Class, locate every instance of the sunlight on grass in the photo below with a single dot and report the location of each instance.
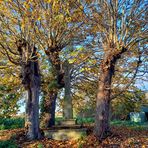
(133, 125)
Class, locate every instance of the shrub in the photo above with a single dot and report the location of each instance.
(8, 144)
(11, 123)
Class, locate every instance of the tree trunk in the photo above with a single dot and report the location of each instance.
(67, 104)
(102, 114)
(52, 109)
(32, 113)
(107, 69)
(50, 105)
(102, 128)
(31, 81)
(48, 111)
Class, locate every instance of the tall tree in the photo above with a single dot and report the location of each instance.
(60, 24)
(120, 27)
(17, 44)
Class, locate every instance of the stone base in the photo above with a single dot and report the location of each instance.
(68, 122)
(65, 130)
(65, 134)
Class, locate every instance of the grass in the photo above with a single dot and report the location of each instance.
(119, 123)
(14, 123)
(129, 124)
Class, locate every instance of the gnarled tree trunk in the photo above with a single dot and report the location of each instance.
(50, 102)
(48, 109)
(102, 129)
(32, 113)
(31, 81)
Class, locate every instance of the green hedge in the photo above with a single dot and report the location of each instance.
(11, 123)
(8, 144)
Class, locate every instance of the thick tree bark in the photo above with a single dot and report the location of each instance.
(67, 104)
(32, 113)
(102, 128)
(31, 81)
(48, 111)
(50, 104)
(52, 109)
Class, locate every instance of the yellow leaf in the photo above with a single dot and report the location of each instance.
(48, 1)
(39, 18)
(23, 26)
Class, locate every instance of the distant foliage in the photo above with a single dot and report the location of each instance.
(8, 100)
(126, 103)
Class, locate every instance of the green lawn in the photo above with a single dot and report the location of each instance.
(14, 123)
(133, 125)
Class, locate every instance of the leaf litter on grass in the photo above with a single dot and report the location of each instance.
(122, 137)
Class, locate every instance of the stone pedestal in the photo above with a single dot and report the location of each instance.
(68, 122)
(65, 134)
(65, 130)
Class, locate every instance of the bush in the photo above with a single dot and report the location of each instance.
(11, 123)
(8, 144)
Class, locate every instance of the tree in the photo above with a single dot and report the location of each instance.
(17, 44)
(8, 101)
(120, 27)
(10, 90)
(130, 101)
(55, 31)
(49, 86)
